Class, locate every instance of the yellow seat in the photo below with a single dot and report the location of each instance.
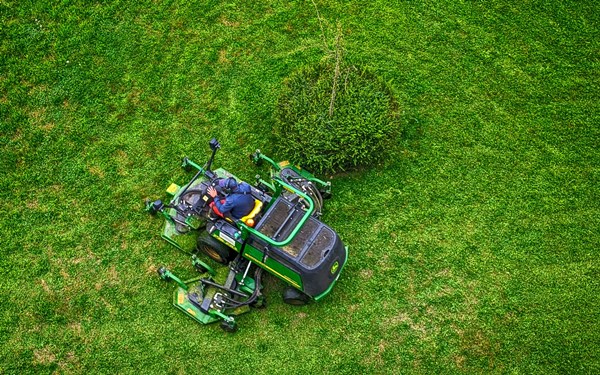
(257, 207)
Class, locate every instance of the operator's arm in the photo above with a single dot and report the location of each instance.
(223, 208)
(226, 207)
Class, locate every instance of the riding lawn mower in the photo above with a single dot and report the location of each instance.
(281, 235)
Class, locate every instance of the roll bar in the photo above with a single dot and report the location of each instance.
(280, 185)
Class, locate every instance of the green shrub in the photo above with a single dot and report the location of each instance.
(355, 132)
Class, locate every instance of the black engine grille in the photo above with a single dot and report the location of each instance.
(312, 241)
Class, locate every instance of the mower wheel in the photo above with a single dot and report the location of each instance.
(202, 267)
(260, 303)
(162, 273)
(153, 207)
(185, 164)
(230, 327)
(214, 249)
(293, 296)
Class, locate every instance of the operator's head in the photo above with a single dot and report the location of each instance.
(228, 184)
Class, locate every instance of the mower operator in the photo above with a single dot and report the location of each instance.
(238, 201)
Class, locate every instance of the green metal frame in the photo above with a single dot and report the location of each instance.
(258, 157)
(181, 294)
(280, 185)
(255, 255)
(277, 186)
(197, 287)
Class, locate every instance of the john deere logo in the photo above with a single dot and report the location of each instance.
(334, 268)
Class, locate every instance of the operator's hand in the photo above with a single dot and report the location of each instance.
(212, 192)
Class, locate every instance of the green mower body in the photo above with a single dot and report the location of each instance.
(283, 236)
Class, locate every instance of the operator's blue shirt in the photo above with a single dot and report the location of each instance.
(239, 203)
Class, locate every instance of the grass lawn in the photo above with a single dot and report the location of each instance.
(473, 247)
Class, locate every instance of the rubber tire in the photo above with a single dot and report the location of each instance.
(214, 249)
(200, 269)
(162, 273)
(229, 327)
(184, 163)
(260, 303)
(150, 207)
(293, 296)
